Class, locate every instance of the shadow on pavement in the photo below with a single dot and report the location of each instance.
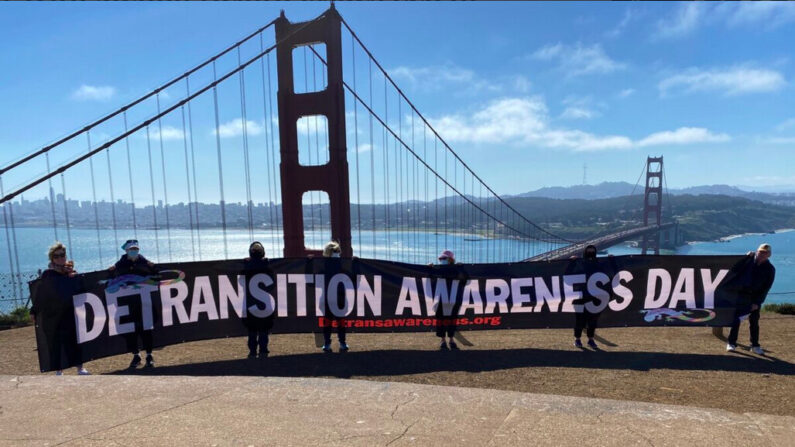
(400, 362)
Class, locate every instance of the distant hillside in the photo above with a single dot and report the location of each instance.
(608, 190)
(701, 217)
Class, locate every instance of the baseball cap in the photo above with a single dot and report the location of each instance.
(764, 247)
(447, 254)
(131, 243)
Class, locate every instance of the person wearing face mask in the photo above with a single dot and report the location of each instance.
(585, 319)
(56, 282)
(332, 250)
(132, 262)
(258, 327)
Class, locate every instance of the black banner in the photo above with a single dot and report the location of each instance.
(95, 315)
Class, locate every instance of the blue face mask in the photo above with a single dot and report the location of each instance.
(443, 261)
(335, 255)
(132, 253)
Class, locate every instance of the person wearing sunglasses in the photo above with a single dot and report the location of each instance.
(55, 317)
(132, 262)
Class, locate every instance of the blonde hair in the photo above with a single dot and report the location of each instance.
(55, 247)
(330, 248)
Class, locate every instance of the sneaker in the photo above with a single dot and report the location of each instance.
(150, 361)
(252, 354)
(263, 354)
(327, 347)
(344, 347)
(136, 360)
(83, 372)
(453, 346)
(730, 347)
(443, 346)
(577, 343)
(593, 344)
(757, 350)
(58, 373)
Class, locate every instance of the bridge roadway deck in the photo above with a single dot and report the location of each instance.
(184, 410)
(601, 243)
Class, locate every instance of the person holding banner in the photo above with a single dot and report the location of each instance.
(332, 250)
(446, 326)
(756, 275)
(134, 264)
(585, 319)
(258, 327)
(55, 317)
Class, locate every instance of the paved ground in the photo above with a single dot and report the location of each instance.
(179, 410)
(679, 366)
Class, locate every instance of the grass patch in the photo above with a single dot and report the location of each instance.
(785, 308)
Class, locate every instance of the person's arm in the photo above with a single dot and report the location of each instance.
(765, 287)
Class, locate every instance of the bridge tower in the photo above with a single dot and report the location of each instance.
(652, 203)
(332, 177)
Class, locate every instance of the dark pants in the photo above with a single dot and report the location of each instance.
(340, 333)
(146, 339)
(753, 320)
(448, 330)
(257, 338)
(585, 320)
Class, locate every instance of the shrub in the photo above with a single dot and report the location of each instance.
(784, 308)
(17, 317)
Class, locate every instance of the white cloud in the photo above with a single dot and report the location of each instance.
(93, 93)
(787, 124)
(731, 81)
(169, 133)
(685, 20)
(525, 121)
(627, 92)
(689, 16)
(770, 14)
(629, 15)
(683, 135)
(462, 80)
(235, 128)
(576, 112)
(578, 59)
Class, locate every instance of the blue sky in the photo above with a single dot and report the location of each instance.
(527, 93)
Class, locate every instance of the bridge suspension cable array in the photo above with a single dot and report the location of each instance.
(412, 195)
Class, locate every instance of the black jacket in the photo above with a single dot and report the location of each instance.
(126, 266)
(756, 279)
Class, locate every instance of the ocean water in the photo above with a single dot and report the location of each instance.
(411, 247)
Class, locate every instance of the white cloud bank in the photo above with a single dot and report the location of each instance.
(578, 59)
(93, 93)
(525, 121)
(690, 16)
(730, 81)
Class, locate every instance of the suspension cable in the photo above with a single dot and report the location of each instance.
(163, 171)
(187, 180)
(52, 198)
(220, 165)
(94, 203)
(193, 169)
(136, 102)
(152, 187)
(386, 75)
(129, 173)
(247, 170)
(10, 242)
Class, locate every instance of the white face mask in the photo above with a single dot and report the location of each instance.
(443, 262)
(335, 255)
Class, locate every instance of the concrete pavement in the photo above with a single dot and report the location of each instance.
(182, 410)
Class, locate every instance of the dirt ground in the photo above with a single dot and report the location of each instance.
(684, 366)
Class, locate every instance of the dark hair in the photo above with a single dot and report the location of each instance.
(256, 250)
(589, 252)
